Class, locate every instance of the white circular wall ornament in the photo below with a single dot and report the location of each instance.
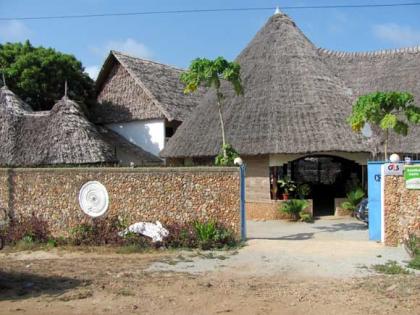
(93, 199)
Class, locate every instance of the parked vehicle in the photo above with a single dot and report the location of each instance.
(362, 212)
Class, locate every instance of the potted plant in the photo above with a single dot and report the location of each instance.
(294, 207)
(303, 190)
(287, 185)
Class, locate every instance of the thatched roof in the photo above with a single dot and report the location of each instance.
(11, 102)
(160, 87)
(387, 70)
(297, 98)
(62, 135)
(121, 144)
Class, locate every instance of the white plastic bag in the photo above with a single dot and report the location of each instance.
(155, 231)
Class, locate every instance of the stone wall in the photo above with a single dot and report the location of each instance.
(269, 210)
(141, 194)
(401, 210)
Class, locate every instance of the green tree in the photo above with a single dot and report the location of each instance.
(390, 111)
(37, 75)
(209, 73)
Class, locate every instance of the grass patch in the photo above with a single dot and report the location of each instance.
(415, 263)
(125, 292)
(391, 267)
(80, 295)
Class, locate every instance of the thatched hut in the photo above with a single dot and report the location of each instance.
(292, 118)
(141, 100)
(61, 136)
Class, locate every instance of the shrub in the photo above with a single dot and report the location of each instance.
(412, 245)
(26, 243)
(205, 235)
(33, 227)
(294, 207)
(213, 235)
(181, 235)
(354, 197)
(415, 262)
(231, 153)
(98, 232)
(391, 267)
(306, 217)
(303, 190)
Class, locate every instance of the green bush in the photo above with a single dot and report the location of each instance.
(306, 217)
(303, 190)
(415, 262)
(211, 235)
(231, 153)
(354, 197)
(391, 267)
(294, 207)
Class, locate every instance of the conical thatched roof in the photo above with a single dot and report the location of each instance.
(60, 136)
(11, 102)
(159, 87)
(294, 101)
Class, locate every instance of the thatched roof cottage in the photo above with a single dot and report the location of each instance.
(60, 136)
(292, 117)
(141, 100)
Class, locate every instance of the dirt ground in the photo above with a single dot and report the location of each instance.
(68, 282)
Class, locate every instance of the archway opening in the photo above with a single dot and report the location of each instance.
(329, 178)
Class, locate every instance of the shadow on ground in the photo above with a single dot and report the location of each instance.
(314, 230)
(345, 227)
(292, 237)
(21, 285)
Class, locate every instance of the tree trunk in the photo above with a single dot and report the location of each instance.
(222, 124)
(386, 145)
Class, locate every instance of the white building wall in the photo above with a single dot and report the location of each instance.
(149, 135)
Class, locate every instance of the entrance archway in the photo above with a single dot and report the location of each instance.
(329, 177)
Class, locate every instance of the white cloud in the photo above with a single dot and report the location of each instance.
(129, 46)
(92, 71)
(11, 31)
(397, 34)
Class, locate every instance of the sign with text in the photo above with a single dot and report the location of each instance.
(393, 169)
(412, 176)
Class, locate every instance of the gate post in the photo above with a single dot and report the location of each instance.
(242, 207)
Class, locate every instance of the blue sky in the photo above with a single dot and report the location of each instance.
(177, 39)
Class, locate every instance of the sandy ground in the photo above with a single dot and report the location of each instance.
(318, 275)
(329, 248)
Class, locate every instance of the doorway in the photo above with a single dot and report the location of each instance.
(329, 177)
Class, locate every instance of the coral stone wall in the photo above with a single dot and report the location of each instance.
(269, 210)
(401, 210)
(171, 195)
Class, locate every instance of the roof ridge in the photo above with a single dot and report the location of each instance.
(146, 60)
(382, 52)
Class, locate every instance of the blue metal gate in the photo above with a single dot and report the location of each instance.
(374, 196)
